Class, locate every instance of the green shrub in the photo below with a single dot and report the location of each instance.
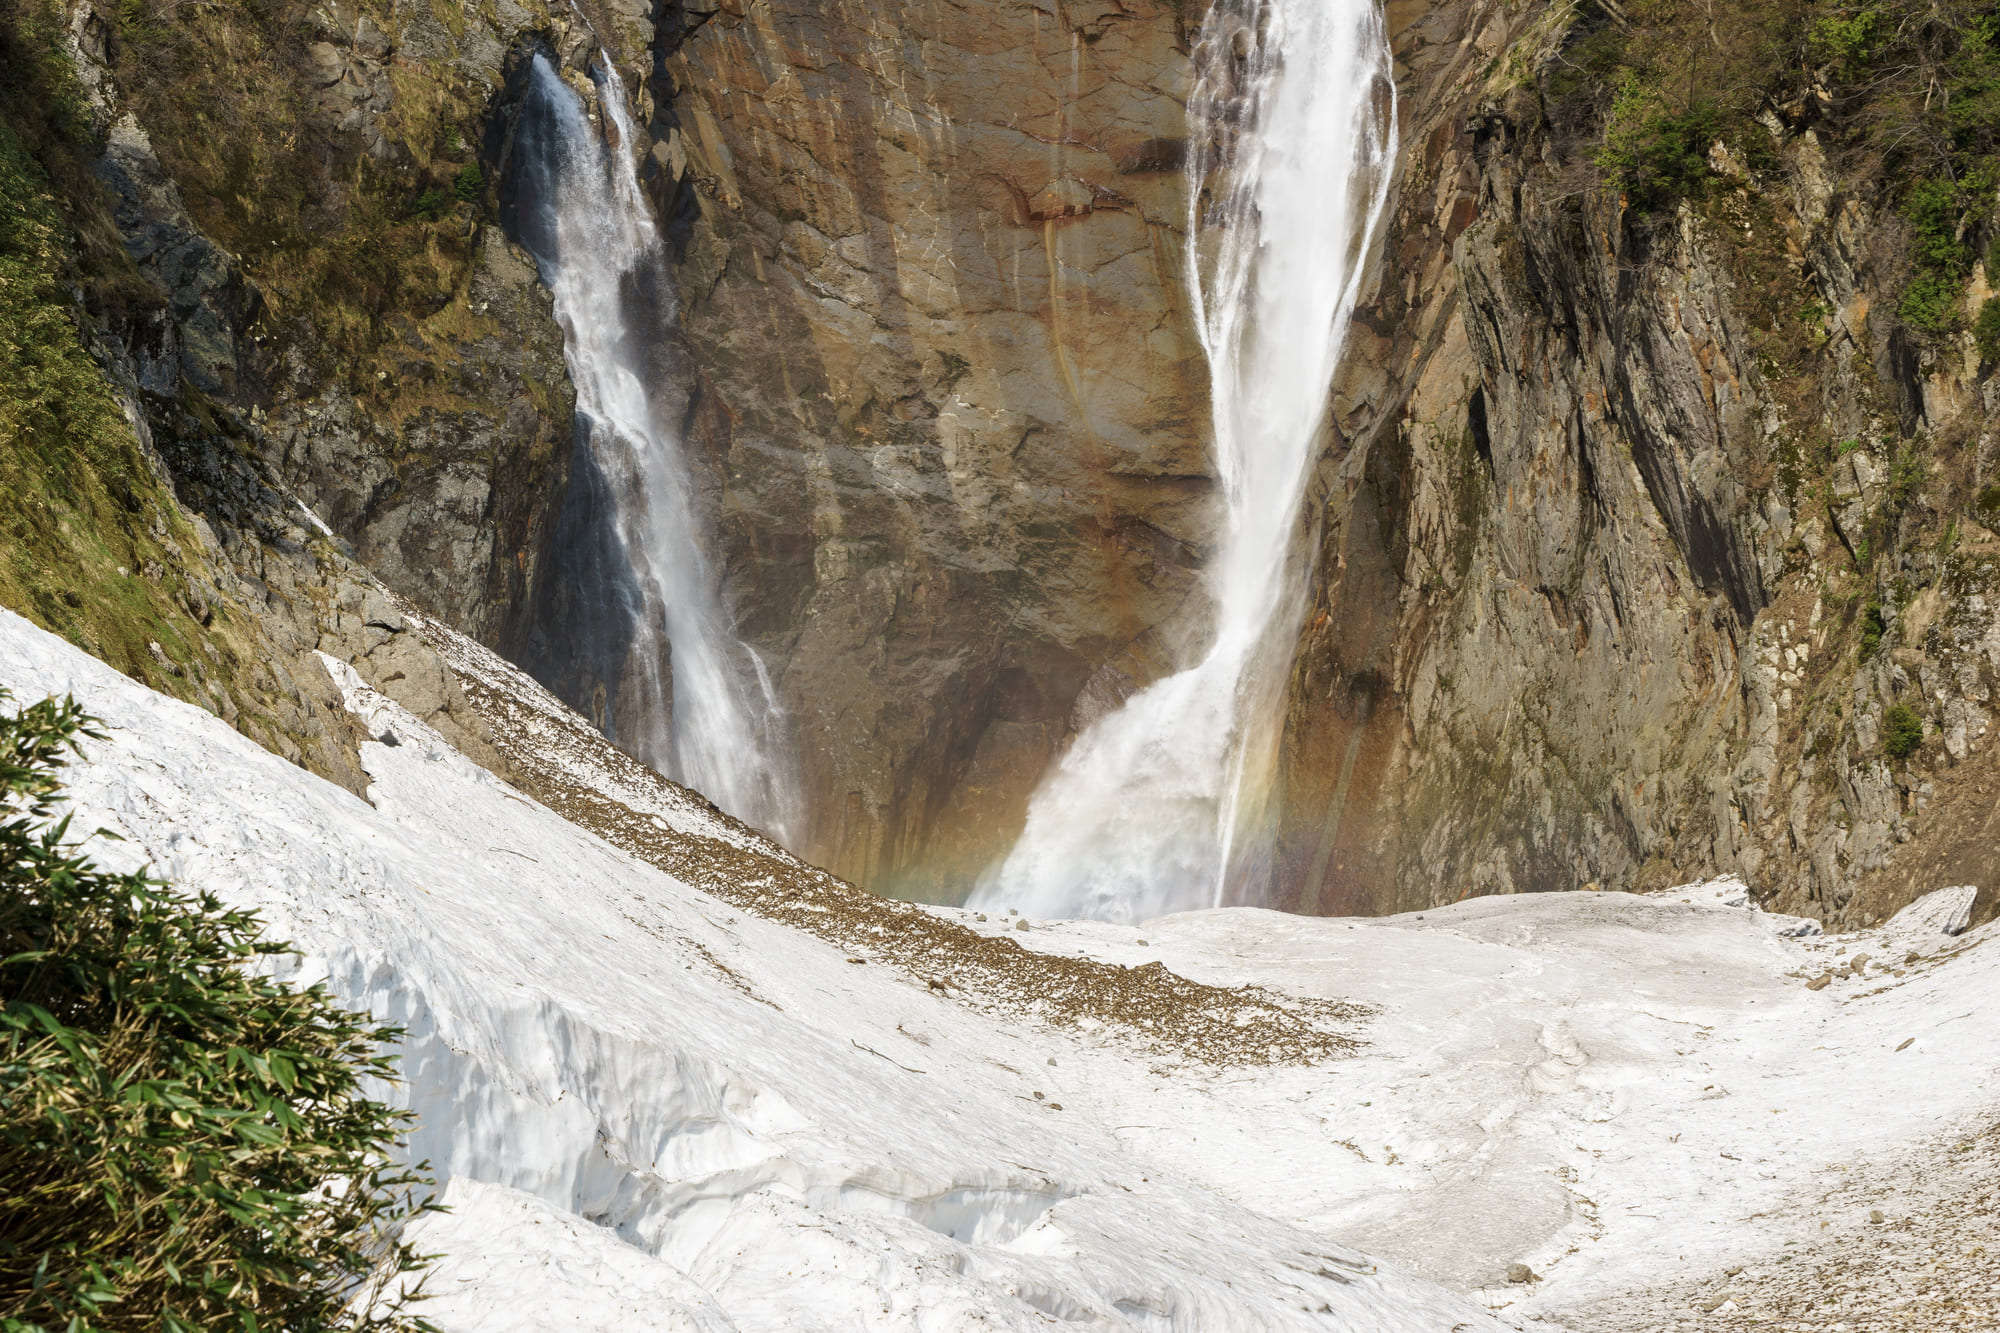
(1930, 302)
(1849, 41)
(1872, 628)
(1942, 214)
(1657, 156)
(1986, 329)
(429, 205)
(1902, 731)
(471, 183)
(1936, 210)
(183, 1142)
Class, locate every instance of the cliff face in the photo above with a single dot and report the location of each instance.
(945, 399)
(1651, 519)
(948, 395)
(1628, 503)
(265, 279)
(395, 355)
(1643, 521)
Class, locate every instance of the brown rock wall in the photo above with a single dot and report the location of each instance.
(1613, 583)
(949, 394)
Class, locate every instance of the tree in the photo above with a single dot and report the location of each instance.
(1902, 731)
(184, 1143)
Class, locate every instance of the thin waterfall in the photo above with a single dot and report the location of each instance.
(1162, 804)
(691, 700)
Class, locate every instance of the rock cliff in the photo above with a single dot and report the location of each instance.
(1628, 500)
(1646, 513)
(1659, 507)
(948, 393)
(259, 307)
(945, 402)
(393, 353)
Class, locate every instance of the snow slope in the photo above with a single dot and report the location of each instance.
(656, 1112)
(654, 1108)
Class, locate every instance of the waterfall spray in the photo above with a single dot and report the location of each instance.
(1160, 804)
(701, 708)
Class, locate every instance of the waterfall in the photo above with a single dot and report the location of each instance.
(649, 608)
(1162, 804)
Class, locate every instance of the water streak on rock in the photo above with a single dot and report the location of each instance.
(1161, 805)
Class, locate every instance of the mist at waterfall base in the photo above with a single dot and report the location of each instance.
(1162, 805)
(645, 633)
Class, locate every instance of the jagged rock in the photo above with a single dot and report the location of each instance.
(453, 509)
(209, 302)
(1559, 635)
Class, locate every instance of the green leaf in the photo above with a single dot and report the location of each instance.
(176, 1185)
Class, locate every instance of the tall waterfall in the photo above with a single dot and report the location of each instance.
(694, 703)
(1162, 804)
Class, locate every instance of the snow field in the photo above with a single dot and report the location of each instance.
(649, 1110)
(1618, 1091)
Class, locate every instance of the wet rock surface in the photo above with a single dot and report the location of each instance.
(949, 401)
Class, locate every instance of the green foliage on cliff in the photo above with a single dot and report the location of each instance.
(184, 1144)
(1916, 91)
(341, 242)
(86, 527)
(54, 147)
(1903, 94)
(1872, 628)
(1986, 506)
(1848, 40)
(1986, 329)
(1942, 214)
(56, 393)
(1902, 731)
(1654, 83)
(1655, 154)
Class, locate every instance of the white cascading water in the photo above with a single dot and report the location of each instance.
(707, 715)
(1158, 803)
